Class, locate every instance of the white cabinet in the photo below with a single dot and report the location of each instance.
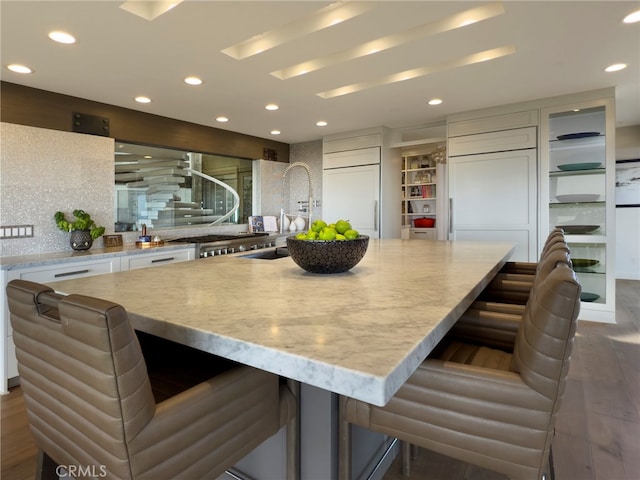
(353, 194)
(578, 195)
(493, 195)
(514, 139)
(421, 207)
(54, 273)
(145, 260)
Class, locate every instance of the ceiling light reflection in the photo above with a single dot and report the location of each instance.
(451, 22)
(314, 22)
(420, 72)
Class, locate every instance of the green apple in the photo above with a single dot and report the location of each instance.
(318, 225)
(327, 234)
(351, 234)
(342, 226)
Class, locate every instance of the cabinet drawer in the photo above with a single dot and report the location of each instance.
(423, 234)
(70, 270)
(518, 139)
(156, 259)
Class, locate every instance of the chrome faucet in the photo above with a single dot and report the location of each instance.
(284, 175)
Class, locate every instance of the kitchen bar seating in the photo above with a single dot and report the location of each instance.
(481, 405)
(89, 394)
(497, 324)
(515, 280)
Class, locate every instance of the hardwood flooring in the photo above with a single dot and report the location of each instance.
(597, 431)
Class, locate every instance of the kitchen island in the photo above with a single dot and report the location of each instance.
(361, 333)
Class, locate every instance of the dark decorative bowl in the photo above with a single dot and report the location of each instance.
(327, 256)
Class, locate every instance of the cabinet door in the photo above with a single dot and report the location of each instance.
(493, 198)
(353, 194)
(505, 140)
(351, 158)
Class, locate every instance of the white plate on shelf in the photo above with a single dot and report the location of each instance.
(578, 197)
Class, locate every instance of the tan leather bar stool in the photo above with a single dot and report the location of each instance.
(482, 405)
(89, 394)
(514, 288)
(497, 323)
(529, 268)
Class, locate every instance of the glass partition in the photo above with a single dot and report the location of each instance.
(167, 188)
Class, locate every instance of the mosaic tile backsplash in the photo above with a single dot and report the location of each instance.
(42, 171)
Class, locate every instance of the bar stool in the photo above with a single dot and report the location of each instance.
(90, 395)
(481, 405)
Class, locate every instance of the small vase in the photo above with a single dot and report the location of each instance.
(80, 239)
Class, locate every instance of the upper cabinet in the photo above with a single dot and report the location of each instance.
(578, 195)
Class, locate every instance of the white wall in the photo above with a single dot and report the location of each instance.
(628, 219)
(43, 171)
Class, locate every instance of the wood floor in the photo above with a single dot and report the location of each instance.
(597, 431)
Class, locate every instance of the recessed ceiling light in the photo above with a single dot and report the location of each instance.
(272, 106)
(632, 17)
(222, 119)
(62, 37)
(275, 132)
(14, 67)
(616, 67)
(193, 81)
(143, 100)
(434, 101)
(321, 123)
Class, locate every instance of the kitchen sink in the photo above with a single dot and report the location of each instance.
(268, 254)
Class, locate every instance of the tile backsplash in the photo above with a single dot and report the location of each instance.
(43, 171)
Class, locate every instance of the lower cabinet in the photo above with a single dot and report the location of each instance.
(131, 262)
(62, 271)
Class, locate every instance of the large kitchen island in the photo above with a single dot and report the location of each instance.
(361, 333)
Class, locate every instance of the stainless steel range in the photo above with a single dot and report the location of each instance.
(212, 245)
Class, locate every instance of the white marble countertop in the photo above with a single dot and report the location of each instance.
(69, 256)
(361, 333)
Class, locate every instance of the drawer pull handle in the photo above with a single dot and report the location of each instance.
(168, 259)
(68, 274)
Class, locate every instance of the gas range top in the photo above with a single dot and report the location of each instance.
(218, 238)
(214, 244)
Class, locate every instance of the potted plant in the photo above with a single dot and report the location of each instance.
(83, 229)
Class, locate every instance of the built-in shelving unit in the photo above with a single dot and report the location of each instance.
(422, 167)
(578, 192)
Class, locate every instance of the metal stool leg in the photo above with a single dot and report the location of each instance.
(405, 455)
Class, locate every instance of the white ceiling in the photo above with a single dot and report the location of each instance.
(559, 48)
